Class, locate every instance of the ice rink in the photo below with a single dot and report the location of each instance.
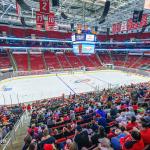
(30, 88)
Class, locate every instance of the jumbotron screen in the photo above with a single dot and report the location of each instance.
(84, 48)
(84, 43)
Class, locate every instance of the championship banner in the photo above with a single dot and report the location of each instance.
(116, 28)
(39, 18)
(129, 25)
(44, 6)
(51, 19)
(124, 26)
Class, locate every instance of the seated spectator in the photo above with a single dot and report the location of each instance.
(81, 138)
(102, 121)
(49, 147)
(33, 145)
(113, 112)
(27, 141)
(132, 141)
(101, 112)
(98, 135)
(145, 131)
(72, 115)
(68, 145)
(132, 124)
(46, 139)
(104, 145)
(115, 141)
(94, 125)
(68, 129)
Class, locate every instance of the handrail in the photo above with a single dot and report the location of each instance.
(12, 134)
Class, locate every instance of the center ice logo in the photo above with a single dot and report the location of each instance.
(82, 81)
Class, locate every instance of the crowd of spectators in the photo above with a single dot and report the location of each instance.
(116, 119)
(8, 117)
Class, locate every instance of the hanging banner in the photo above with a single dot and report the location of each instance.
(51, 19)
(129, 25)
(39, 18)
(44, 6)
(124, 26)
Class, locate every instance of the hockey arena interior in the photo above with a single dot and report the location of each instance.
(74, 74)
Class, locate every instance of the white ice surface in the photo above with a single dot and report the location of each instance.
(32, 88)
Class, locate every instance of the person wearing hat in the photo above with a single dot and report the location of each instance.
(81, 138)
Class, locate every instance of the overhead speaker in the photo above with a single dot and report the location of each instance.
(72, 26)
(140, 16)
(24, 24)
(55, 3)
(63, 15)
(106, 9)
(105, 12)
(102, 20)
(96, 28)
(22, 21)
(137, 16)
(23, 5)
(108, 31)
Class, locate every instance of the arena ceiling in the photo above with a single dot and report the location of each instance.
(78, 11)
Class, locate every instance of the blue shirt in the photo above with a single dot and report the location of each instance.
(102, 122)
(115, 141)
(101, 112)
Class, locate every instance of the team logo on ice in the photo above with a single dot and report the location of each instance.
(82, 81)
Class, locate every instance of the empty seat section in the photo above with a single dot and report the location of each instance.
(118, 60)
(85, 60)
(131, 60)
(74, 61)
(143, 61)
(21, 61)
(95, 60)
(105, 58)
(36, 62)
(63, 61)
(51, 60)
(4, 61)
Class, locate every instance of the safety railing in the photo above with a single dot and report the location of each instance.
(11, 136)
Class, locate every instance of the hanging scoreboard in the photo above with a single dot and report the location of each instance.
(84, 43)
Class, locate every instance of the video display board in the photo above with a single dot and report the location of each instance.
(84, 48)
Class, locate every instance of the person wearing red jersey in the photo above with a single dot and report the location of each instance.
(29, 108)
(132, 141)
(132, 124)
